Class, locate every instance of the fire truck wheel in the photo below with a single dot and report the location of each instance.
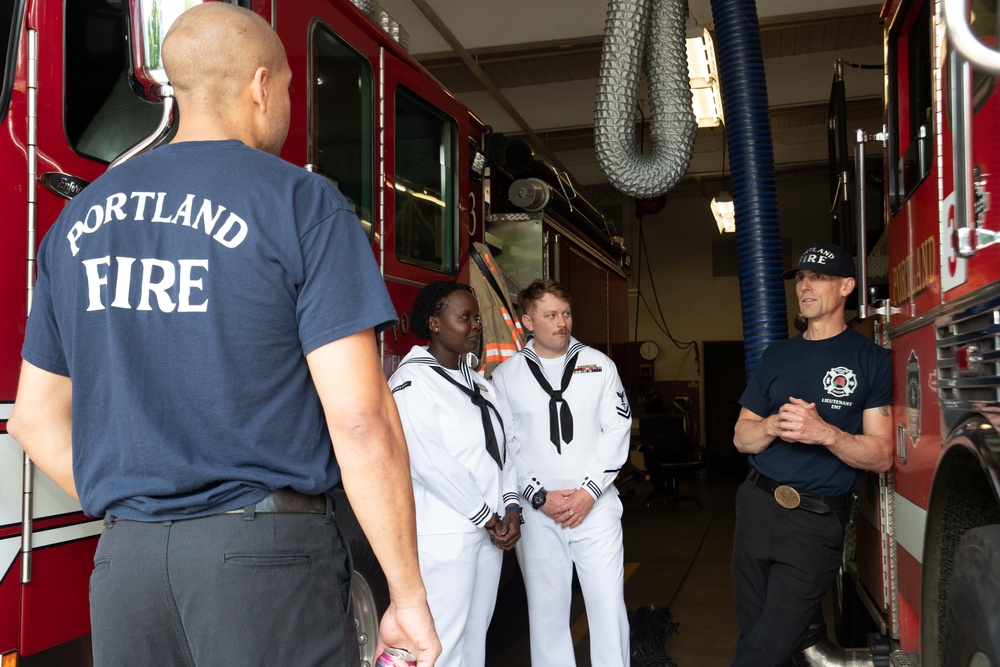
(370, 597)
(369, 590)
(972, 619)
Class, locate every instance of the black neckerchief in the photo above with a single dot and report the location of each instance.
(492, 446)
(557, 416)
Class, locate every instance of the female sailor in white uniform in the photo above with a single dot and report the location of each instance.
(462, 479)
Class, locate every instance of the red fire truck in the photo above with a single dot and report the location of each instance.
(408, 155)
(925, 564)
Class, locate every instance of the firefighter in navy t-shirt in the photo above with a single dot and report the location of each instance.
(815, 413)
(200, 368)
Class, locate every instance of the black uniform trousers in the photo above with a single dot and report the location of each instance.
(784, 562)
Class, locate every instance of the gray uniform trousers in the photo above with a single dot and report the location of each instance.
(224, 590)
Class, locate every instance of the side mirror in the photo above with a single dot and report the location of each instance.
(147, 23)
(956, 19)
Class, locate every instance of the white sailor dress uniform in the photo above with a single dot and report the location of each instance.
(589, 455)
(457, 486)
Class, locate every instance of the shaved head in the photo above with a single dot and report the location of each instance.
(213, 49)
(219, 58)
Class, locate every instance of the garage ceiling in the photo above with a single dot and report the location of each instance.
(538, 60)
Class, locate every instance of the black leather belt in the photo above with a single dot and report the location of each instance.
(790, 498)
(286, 501)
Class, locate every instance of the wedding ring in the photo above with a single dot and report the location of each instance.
(571, 512)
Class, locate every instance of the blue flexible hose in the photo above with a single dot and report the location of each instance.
(748, 131)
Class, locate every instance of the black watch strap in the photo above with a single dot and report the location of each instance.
(516, 509)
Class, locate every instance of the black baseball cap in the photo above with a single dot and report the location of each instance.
(828, 259)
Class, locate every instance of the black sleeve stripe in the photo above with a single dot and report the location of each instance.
(618, 469)
(483, 513)
(402, 386)
(596, 489)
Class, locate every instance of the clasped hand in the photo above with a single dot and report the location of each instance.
(568, 507)
(505, 532)
(798, 421)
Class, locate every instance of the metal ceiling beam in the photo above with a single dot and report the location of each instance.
(778, 39)
(536, 143)
(861, 111)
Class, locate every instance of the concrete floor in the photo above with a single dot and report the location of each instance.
(676, 556)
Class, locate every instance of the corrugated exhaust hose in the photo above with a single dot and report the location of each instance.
(755, 195)
(656, 29)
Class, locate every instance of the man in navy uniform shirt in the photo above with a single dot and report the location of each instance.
(814, 414)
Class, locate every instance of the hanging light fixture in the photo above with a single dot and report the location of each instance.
(724, 212)
(722, 204)
(704, 75)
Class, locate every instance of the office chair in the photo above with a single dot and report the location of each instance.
(668, 454)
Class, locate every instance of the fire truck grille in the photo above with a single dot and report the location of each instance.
(968, 357)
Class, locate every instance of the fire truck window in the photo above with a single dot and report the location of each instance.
(342, 138)
(910, 109)
(10, 28)
(103, 117)
(426, 209)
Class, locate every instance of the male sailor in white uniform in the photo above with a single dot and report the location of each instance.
(569, 438)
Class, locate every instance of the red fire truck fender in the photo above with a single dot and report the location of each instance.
(965, 494)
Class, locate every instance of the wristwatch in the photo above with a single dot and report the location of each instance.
(538, 499)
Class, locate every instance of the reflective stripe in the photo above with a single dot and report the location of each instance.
(46, 538)
(911, 523)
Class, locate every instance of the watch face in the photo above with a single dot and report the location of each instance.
(649, 350)
(538, 499)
